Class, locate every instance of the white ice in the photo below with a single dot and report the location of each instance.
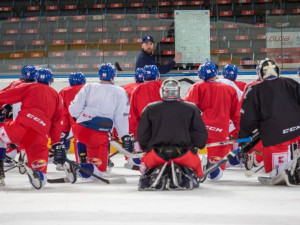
(235, 199)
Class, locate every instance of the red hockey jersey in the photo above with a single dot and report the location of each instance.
(219, 103)
(142, 95)
(68, 94)
(41, 107)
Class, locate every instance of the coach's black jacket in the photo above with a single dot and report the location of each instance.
(273, 107)
(171, 123)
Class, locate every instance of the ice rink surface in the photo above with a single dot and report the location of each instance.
(235, 199)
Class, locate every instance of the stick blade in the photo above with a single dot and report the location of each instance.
(120, 180)
(58, 180)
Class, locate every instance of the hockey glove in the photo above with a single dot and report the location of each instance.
(128, 142)
(59, 153)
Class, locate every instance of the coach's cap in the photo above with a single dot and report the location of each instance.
(147, 38)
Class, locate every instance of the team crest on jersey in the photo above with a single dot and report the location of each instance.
(39, 164)
(95, 161)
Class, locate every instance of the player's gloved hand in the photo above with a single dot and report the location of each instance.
(2, 117)
(128, 142)
(59, 153)
(63, 137)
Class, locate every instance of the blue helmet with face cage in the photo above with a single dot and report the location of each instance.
(44, 76)
(107, 72)
(230, 72)
(207, 70)
(76, 78)
(28, 72)
(152, 72)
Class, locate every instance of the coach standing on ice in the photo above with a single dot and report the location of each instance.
(146, 57)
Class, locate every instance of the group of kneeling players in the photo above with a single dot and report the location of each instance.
(150, 117)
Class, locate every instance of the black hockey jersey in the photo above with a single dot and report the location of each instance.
(273, 107)
(172, 123)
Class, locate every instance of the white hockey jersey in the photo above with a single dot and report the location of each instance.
(102, 100)
(232, 84)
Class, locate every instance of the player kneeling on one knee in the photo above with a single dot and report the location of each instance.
(170, 132)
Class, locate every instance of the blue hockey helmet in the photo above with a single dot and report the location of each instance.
(107, 72)
(207, 70)
(28, 72)
(230, 72)
(152, 72)
(76, 78)
(139, 75)
(44, 76)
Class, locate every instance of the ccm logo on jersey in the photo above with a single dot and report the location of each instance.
(214, 129)
(291, 129)
(36, 119)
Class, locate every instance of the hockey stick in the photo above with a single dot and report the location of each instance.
(250, 173)
(118, 67)
(111, 181)
(113, 154)
(230, 155)
(117, 144)
(248, 139)
(186, 80)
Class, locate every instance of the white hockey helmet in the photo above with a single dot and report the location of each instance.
(268, 68)
(170, 90)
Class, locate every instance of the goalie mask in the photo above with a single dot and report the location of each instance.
(267, 69)
(170, 90)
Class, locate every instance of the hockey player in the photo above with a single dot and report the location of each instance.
(97, 108)
(230, 72)
(141, 96)
(219, 104)
(170, 132)
(38, 119)
(76, 81)
(139, 79)
(9, 112)
(273, 107)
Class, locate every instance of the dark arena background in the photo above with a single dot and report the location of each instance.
(78, 35)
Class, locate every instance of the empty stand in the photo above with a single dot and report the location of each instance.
(81, 34)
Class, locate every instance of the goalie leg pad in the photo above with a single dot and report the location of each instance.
(181, 178)
(154, 179)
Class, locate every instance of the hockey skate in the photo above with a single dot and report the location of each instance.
(60, 167)
(249, 161)
(2, 175)
(70, 171)
(36, 177)
(22, 158)
(154, 179)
